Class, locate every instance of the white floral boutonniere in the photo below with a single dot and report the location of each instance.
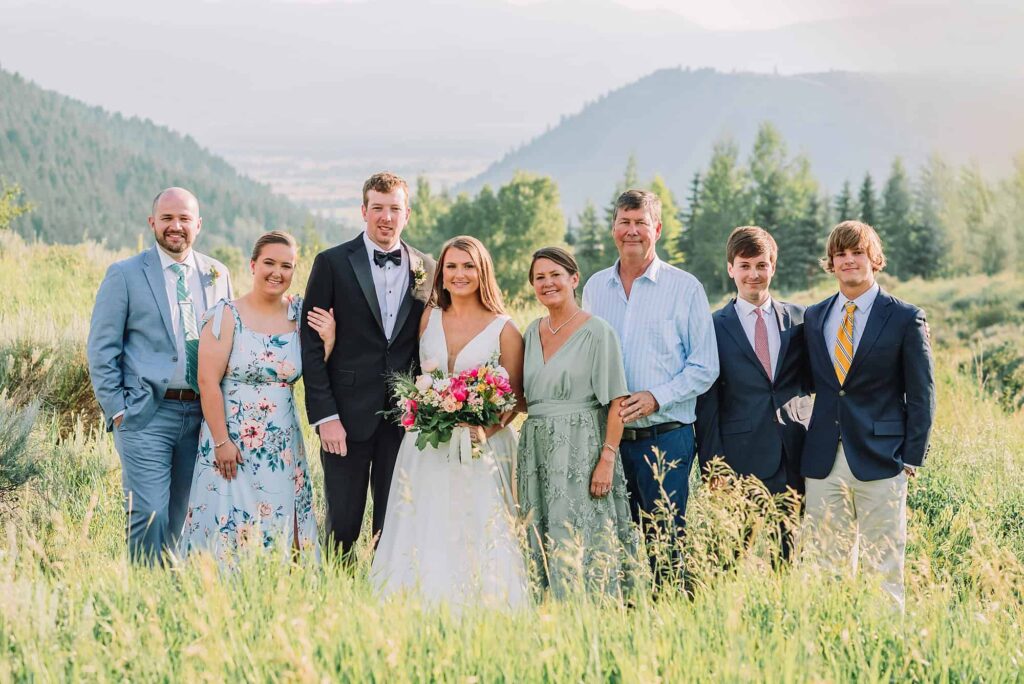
(419, 275)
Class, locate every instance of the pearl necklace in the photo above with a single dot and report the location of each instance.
(554, 331)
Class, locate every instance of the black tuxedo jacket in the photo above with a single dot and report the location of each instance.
(753, 422)
(353, 382)
(884, 410)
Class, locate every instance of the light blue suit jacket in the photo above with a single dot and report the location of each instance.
(131, 349)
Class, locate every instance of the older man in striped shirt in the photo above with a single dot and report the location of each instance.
(663, 320)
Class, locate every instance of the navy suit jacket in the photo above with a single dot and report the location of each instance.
(754, 423)
(884, 410)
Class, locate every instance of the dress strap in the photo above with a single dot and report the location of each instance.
(215, 315)
(295, 310)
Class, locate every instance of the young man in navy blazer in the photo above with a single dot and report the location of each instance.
(871, 365)
(755, 415)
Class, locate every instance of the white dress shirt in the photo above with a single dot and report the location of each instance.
(747, 313)
(860, 319)
(194, 283)
(390, 281)
(666, 333)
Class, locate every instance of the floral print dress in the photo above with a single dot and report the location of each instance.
(271, 498)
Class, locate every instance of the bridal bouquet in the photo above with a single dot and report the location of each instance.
(434, 403)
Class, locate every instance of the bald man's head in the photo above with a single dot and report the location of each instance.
(175, 221)
(175, 190)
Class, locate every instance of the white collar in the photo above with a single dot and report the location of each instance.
(864, 302)
(745, 308)
(166, 260)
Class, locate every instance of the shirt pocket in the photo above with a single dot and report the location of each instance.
(661, 340)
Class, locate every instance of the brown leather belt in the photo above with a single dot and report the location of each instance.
(181, 395)
(633, 434)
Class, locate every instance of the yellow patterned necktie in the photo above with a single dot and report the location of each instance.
(844, 344)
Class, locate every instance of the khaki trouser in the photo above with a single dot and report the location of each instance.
(848, 521)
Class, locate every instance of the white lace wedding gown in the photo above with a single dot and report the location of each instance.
(449, 532)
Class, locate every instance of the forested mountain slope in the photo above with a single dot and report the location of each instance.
(92, 174)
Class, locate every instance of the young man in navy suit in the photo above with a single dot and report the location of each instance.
(871, 365)
(755, 415)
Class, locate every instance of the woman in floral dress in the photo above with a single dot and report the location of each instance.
(251, 484)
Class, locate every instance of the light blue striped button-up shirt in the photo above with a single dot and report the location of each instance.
(666, 332)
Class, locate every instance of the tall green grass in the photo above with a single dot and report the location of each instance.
(72, 608)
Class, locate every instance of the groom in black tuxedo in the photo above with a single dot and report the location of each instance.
(377, 286)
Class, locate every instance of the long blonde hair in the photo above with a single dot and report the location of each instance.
(489, 293)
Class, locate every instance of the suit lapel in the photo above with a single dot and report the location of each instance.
(880, 312)
(155, 275)
(817, 338)
(785, 330)
(732, 325)
(361, 265)
(411, 293)
(206, 278)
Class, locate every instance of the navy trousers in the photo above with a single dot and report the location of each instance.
(677, 450)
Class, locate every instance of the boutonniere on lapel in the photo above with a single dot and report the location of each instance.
(419, 274)
(210, 277)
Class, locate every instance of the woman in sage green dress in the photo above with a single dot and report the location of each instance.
(572, 491)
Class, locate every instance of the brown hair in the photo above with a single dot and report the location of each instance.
(560, 256)
(274, 237)
(851, 235)
(489, 292)
(750, 241)
(385, 181)
(639, 199)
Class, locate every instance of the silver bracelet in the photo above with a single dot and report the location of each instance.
(218, 446)
(614, 450)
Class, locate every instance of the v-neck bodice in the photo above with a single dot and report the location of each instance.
(479, 350)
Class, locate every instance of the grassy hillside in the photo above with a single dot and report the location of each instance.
(71, 608)
(92, 174)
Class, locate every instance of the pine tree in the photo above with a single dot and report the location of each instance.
(846, 206)
(895, 220)
(724, 203)
(868, 201)
(589, 247)
(671, 226)
(688, 217)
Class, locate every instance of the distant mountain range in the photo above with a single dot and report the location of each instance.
(390, 79)
(845, 123)
(90, 173)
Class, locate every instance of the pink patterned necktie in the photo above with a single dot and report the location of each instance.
(761, 342)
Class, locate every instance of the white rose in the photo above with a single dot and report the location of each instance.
(423, 383)
(430, 365)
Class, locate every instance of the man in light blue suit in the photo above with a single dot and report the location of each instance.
(142, 350)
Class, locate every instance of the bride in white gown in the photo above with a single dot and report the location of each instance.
(449, 530)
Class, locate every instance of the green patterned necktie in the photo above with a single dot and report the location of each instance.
(187, 312)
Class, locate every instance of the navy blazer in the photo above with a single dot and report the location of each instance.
(884, 410)
(754, 423)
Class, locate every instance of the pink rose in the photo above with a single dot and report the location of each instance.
(408, 420)
(286, 456)
(430, 365)
(265, 509)
(424, 382)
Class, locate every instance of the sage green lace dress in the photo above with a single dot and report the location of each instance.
(576, 541)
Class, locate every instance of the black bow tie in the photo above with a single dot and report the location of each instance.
(380, 258)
